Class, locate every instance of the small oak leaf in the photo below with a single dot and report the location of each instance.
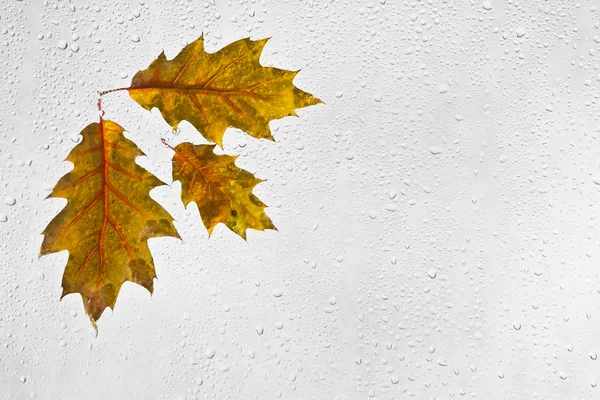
(214, 91)
(221, 190)
(108, 219)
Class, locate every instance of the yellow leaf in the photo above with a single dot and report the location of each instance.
(214, 91)
(108, 219)
(222, 191)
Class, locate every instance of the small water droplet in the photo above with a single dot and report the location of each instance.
(209, 352)
(563, 376)
(517, 326)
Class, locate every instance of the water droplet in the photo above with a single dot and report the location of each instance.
(209, 352)
(563, 376)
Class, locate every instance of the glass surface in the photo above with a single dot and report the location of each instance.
(437, 215)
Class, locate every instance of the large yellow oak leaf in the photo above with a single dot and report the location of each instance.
(108, 219)
(214, 91)
(221, 190)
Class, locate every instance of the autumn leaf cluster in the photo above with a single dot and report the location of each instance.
(110, 215)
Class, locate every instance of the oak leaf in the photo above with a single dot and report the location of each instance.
(214, 91)
(108, 219)
(221, 190)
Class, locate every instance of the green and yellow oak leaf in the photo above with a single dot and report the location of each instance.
(221, 190)
(108, 219)
(214, 91)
